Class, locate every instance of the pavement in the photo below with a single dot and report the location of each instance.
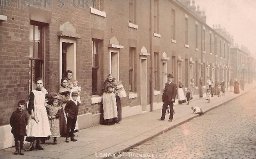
(106, 140)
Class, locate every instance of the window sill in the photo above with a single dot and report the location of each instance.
(132, 95)
(197, 49)
(174, 41)
(98, 12)
(186, 46)
(96, 99)
(157, 35)
(157, 92)
(132, 25)
(3, 18)
(211, 53)
(204, 52)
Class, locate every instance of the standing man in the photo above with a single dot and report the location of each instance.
(168, 97)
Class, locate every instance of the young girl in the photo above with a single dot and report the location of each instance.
(53, 115)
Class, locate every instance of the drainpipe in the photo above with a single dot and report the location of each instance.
(151, 92)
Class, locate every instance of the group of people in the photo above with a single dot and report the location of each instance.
(171, 91)
(46, 115)
(55, 114)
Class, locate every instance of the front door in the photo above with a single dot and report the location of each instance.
(143, 84)
(164, 74)
(67, 57)
(114, 64)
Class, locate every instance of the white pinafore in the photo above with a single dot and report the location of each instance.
(42, 127)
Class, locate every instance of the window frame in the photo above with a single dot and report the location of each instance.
(186, 30)
(132, 11)
(173, 28)
(36, 63)
(132, 69)
(156, 16)
(98, 4)
(96, 44)
(157, 71)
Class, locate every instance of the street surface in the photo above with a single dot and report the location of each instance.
(227, 132)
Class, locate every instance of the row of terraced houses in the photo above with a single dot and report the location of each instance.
(138, 41)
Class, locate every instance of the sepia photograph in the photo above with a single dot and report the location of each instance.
(128, 79)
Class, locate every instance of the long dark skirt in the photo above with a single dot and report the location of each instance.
(106, 121)
(119, 108)
(63, 124)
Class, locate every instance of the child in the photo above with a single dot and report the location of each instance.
(188, 95)
(71, 111)
(197, 110)
(208, 95)
(19, 121)
(77, 89)
(53, 115)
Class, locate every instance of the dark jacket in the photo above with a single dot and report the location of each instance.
(170, 92)
(71, 109)
(18, 122)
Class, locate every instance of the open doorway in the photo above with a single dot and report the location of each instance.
(67, 57)
(114, 64)
(143, 83)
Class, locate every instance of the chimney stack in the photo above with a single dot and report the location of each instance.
(193, 6)
(203, 16)
(198, 11)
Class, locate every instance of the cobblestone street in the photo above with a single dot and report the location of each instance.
(226, 132)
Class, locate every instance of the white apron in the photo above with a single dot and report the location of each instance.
(109, 105)
(42, 127)
(181, 95)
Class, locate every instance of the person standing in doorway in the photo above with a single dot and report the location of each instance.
(110, 114)
(168, 97)
(69, 76)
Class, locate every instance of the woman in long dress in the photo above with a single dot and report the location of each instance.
(236, 87)
(38, 126)
(65, 97)
(109, 102)
(181, 95)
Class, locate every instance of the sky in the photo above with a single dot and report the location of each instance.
(236, 16)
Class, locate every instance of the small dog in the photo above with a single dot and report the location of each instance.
(197, 110)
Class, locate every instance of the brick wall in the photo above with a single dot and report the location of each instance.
(14, 61)
(14, 46)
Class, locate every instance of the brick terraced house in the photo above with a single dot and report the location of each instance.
(138, 41)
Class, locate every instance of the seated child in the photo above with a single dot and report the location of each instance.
(197, 110)
(19, 121)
